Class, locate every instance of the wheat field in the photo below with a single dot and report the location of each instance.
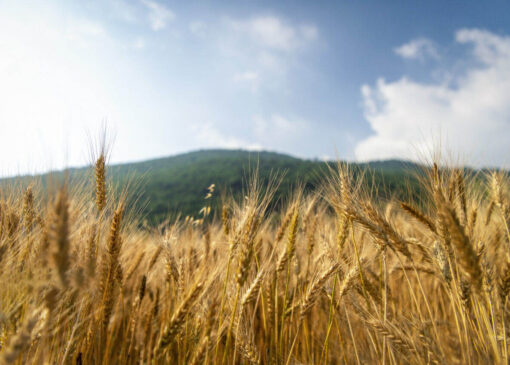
(334, 278)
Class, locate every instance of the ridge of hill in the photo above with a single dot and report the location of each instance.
(178, 184)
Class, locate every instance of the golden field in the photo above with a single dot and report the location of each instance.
(334, 278)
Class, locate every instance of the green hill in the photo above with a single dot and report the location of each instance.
(178, 184)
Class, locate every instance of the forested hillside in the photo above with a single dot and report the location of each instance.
(178, 184)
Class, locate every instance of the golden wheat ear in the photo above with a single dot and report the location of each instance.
(109, 277)
(60, 234)
(100, 178)
(176, 323)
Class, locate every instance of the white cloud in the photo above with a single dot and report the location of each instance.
(53, 85)
(420, 48)
(309, 32)
(198, 28)
(488, 47)
(208, 136)
(272, 32)
(274, 132)
(249, 78)
(278, 128)
(159, 15)
(139, 43)
(268, 44)
(470, 113)
(87, 27)
(123, 9)
(282, 132)
(246, 76)
(84, 32)
(276, 124)
(270, 60)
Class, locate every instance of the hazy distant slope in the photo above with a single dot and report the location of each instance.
(178, 184)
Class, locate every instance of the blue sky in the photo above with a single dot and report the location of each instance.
(361, 80)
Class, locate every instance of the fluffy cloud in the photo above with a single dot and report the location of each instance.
(272, 32)
(420, 48)
(273, 131)
(84, 27)
(281, 132)
(138, 43)
(269, 47)
(248, 78)
(159, 15)
(123, 10)
(198, 28)
(53, 73)
(276, 125)
(208, 136)
(468, 113)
